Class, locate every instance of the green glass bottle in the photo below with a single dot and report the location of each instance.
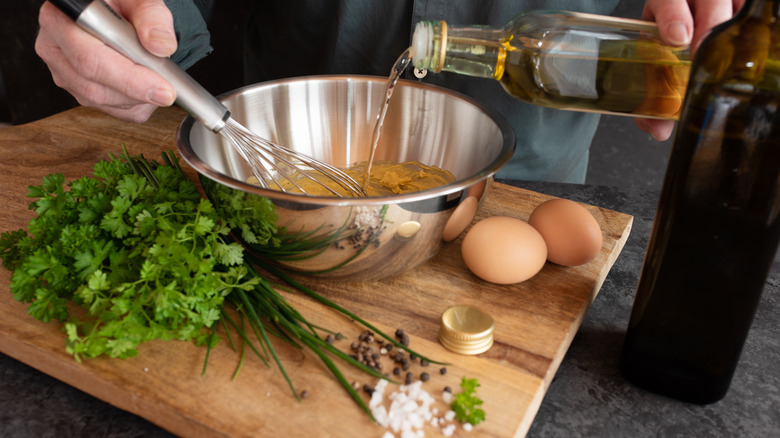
(565, 60)
(717, 226)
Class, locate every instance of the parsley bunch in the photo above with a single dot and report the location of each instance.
(136, 245)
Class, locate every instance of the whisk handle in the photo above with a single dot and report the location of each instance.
(99, 19)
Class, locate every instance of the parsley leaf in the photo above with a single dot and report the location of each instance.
(466, 404)
(11, 250)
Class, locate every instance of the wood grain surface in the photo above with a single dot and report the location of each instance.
(535, 321)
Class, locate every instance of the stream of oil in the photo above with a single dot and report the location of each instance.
(380, 178)
(395, 73)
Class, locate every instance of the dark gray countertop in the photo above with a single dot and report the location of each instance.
(587, 397)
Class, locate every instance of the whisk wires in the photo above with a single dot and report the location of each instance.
(278, 168)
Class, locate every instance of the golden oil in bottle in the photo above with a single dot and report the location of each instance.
(565, 60)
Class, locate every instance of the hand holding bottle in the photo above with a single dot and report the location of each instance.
(682, 22)
(98, 76)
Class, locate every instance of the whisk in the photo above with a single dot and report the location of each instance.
(274, 166)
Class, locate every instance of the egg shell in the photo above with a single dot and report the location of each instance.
(460, 219)
(503, 250)
(572, 234)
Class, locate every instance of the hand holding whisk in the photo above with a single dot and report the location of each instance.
(274, 166)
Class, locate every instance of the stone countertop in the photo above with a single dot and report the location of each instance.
(587, 397)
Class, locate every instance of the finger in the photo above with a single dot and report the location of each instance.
(153, 23)
(674, 19)
(96, 95)
(136, 114)
(661, 130)
(90, 93)
(90, 62)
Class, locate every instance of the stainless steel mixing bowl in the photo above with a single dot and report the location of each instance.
(332, 118)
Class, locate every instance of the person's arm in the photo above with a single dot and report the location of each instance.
(99, 77)
(683, 22)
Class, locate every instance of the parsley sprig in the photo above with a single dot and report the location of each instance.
(466, 404)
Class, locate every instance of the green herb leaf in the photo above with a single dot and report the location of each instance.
(11, 250)
(466, 404)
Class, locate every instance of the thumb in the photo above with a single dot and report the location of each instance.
(674, 20)
(153, 23)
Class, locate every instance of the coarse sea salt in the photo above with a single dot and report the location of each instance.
(367, 217)
(448, 430)
(410, 409)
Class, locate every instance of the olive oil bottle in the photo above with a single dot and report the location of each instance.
(717, 226)
(565, 60)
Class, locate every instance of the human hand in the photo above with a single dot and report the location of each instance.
(682, 22)
(98, 76)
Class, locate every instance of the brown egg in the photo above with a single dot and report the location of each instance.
(572, 234)
(503, 250)
(460, 219)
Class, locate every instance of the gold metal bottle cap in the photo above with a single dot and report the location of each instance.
(466, 330)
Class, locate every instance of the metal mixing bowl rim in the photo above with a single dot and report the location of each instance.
(204, 169)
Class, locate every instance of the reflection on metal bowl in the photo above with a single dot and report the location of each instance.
(331, 118)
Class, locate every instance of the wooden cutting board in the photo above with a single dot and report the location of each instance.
(535, 321)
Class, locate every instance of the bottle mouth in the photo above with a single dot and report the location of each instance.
(423, 45)
(422, 40)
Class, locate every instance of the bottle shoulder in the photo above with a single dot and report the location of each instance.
(743, 51)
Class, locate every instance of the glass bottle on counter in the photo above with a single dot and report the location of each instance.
(716, 229)
(565, 60)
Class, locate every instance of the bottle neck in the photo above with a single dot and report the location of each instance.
(740, 51)
(470, 50)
